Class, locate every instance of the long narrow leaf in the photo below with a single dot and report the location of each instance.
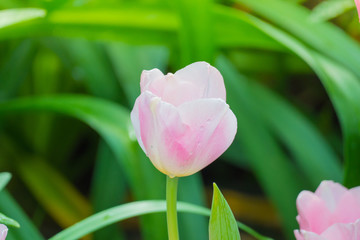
(343, 89)
(133, 209)
(9, 207)
(323, 36)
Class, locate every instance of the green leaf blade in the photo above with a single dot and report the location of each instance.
(8, 221)
(222, 221)
(4, 179)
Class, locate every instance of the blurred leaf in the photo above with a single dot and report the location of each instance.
(98, 76)
(322, 36)
(343, 89)
(230, 34)
(129, 24)
(8, 221)
(10, 17)
(11, 77)
(9, 207)
(4, 179)
(279, 178)
(191, 190)
(329, 9)
(195, 31)
(129, 61)
(313, 155)
(108, 119)
(108, 188)
(130, 210)
(65, 204)
(222, 223)
(137, 25)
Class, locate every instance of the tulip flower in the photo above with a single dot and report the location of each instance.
(357, 2)
(331, 213)
(3, 231)
(181, 120)
(182, 123)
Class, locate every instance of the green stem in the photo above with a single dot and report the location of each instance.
(171, 212)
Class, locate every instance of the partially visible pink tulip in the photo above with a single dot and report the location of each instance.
(357, 2)
(3, 231)
(181, 120)
(331, 213)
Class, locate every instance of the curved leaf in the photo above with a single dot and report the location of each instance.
(130, 210)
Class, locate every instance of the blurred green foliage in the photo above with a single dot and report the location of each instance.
(70, 72)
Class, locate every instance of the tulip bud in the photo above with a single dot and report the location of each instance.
(181, 120)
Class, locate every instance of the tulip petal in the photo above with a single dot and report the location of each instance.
(212, 130)
(152, 81)
(341, 231)
(348, 209)
(160, 131)
(178, 91)
(313, 216)
(305, 235)
(206, 77)
(3, 231)
(331, 193)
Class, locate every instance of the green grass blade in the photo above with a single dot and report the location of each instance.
(126, 211)
(191, 190)
(322, 36)
(195, 31)
(9, 207)
(110, 120)
(330, 9)
(11, 17)
(343, 89)
(278, 177)
(137, 25)
(4, 179)
(63, 202)
(11, 77)
(129, 61)
(98, 75)
(8, 221)
(108, 189)
(313, 155)
(230, 34)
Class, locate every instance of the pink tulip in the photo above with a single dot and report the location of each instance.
(331, 213)
(181, 120)
(3, 231)
(357, 2)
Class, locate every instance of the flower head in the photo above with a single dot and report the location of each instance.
(181, 120)
(332, 212)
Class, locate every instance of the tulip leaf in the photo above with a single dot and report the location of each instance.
(329, 9)
(322, 36)
(58, 196)
(9, 207)
(8, 221)
(222, 221)
(343, 88)
(11, 17)
(134, 209)
(4, 179)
